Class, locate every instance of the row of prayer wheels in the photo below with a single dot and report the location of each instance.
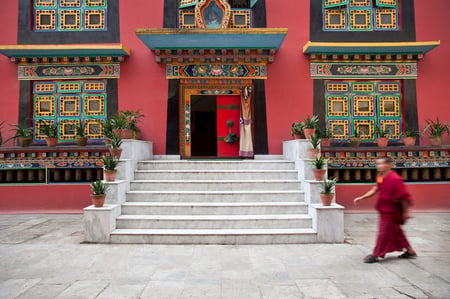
(408, 175)
(68, 175)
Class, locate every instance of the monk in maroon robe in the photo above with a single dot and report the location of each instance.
(393, 206)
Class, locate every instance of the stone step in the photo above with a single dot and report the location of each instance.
(214, 236)
(217, 165)
(215, 196)
(220, 208)
(214, 185)
(213, 221)
(216, 174)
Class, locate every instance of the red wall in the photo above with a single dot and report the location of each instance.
(9, 85)
(433, 23)
(289, 87)
(143, 82)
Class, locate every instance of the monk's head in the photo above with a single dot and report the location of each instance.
(384, 164)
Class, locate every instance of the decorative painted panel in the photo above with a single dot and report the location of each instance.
(70, 15)
(187, 3)
(363, 105)
(360, 3)
(335, 19)
(339, 128)
(61, 71)
(394, 70)
(365, 127)
(67, 103)
(386, 19)
(241, 18)
(389, 106)
(387, 3)
(360, 19)
(180, 71)
(333, 3)
(187, 19)
(393, 126)
(337, 106)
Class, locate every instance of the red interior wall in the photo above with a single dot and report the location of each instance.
(143, 82)
(9, 85)
(426, 197)
(289, 88)
(433, 23)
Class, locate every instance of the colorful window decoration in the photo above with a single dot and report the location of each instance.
(67, 103)
(360, 15)
(362, 106)
(70, 15)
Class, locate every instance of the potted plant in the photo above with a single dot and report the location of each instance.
(315, 142)
(297, 130)
(1, 127)
(325, 137)
(410, 136)
(99, 195)
(436, 129)
(382, 137)
(327, 193)
(319, 169)
(109, 167)
(310, 125)
(81, 138)
(23, 134)
(51, 131)
(120, 126)
(108, 130)
(355, 139)
(115, 143)
(133, 118)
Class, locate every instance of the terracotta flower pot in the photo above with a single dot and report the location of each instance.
(98, 200)
(52, 141)
(25, 141)
(124, 133)
(409, 141)
(382, 141)
(297, 136)
(325, 142)
(117, 152)
(327, 199)
(355, 141)
(435, 142)
(82, 141)
(309, 132)
(109, 175)
(313, 152)
(319, 174)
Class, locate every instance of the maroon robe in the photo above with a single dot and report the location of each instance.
(391, 190)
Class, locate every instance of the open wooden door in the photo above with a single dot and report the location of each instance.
(228, 108)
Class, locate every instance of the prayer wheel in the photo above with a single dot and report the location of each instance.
(78, 175)
(447, 173)
(57, 177)
(437, 174)
(89, 175)
(31, 176)
(346, 175)
(368, 175)
(425, 174)
(67, 175)
(41, 175)
(335, 174)
(20, 176)
(10, 174)
(404, 174)
(357, 175)
(414, 174)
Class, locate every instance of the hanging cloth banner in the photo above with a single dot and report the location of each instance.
(246, 139)
(253, 2)
(187, 3)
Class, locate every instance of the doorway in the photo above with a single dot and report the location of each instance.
(214, 125)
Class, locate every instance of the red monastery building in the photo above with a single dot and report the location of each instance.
(224, 80)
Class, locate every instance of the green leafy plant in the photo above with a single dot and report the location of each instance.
(310, 122)
(80, 129)
(436, 128)
(297, 129)
(324, 133)
(115, 141)
(119, 121)
(99, 188)
(315, 141)
(328, 185)
(109, 162)
(1, 127)
(319, 162)
(108, 128)
(383, 133)
(411, 133)
(133, 118)
(25, 133)
(49, 129)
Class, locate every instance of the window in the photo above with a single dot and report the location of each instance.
(69, 15)
(360, 15)
(67, 103)
(362, 106)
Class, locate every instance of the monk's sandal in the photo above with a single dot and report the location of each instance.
(407, 255)
(370, 259)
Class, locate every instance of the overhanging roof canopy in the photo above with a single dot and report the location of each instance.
(247, 38)
(370, 48)
(83, 50)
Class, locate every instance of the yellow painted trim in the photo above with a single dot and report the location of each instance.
(368, 44)
(173, 31)
(67, 47)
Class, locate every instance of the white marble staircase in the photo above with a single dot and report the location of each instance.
(214, 202)
(172, 201)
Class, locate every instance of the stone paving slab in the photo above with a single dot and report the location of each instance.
(42, 256)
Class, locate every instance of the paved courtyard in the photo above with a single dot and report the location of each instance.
(42, 256)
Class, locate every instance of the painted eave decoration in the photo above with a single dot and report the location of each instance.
(245, 38)
(49, 62)
(388, 48)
